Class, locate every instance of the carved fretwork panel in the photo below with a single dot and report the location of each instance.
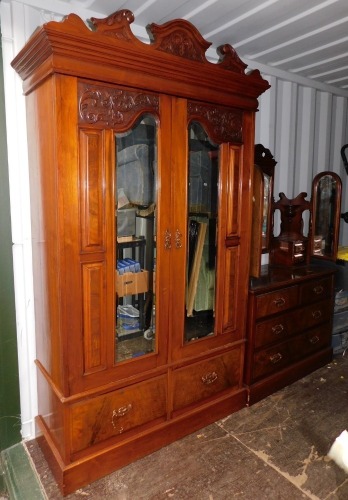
(114, 108)
(180, 38)
(221, 124)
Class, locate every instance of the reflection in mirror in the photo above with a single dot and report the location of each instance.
(326, 199)
(266, 210)
(202, 228)
(136, 201)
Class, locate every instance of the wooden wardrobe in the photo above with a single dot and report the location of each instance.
(140, 154)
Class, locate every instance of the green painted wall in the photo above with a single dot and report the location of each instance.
(9, 383)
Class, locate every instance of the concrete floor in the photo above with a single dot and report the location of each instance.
(275, 449)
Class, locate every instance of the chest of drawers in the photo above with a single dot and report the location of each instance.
(289, 327)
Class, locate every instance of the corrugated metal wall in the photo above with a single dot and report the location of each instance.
(304, 128)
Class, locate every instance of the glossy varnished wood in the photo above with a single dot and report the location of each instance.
(289, 326)
(82, 87)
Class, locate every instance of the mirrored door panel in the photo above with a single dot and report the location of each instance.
(202, 219)
(135, 211)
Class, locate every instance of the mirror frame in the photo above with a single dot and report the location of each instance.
(336, 214)
(265, 161)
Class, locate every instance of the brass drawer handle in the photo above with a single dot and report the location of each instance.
(279, 302)
(209, 378)
(278, 329)
(318, 289)
(118, 413)
(316, 314)
(314, 339)
(275, 358)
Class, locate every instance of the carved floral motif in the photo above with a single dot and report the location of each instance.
(223, 125)
(113, 107)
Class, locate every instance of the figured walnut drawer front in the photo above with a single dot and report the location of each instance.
(113, 414)
(272, 359)
(316, 290)
(286, 325)
(208, 378)
(275, 302)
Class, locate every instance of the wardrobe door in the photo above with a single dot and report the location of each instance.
(142, 209)
(209, 182)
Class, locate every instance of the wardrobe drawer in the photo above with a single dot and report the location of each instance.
(114, 413)
(316, 290)
(272, 359)
(275, 302)
(202, 380)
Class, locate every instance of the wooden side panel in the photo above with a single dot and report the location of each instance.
(94, 316)
(92, 190)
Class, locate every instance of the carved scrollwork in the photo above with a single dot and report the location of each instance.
(181, 38)
(116, 25)
(111, 107)
(229, 59)
(222, 125)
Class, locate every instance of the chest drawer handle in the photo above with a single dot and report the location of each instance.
(314, 339)
(209, 378)
(118, 413)
(279, 302)
(318, 289)
(316, 314)
(275, 358)
(278, 329)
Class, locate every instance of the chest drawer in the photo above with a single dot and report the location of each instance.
(316, 290)
(115, 413)
(268, 361)
(277, 301)
(282, 327)
(208, 378)
(311, 341)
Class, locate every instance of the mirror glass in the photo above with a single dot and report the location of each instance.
(264, 161)
(326, 198)
(202, 221)
(135, 211)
